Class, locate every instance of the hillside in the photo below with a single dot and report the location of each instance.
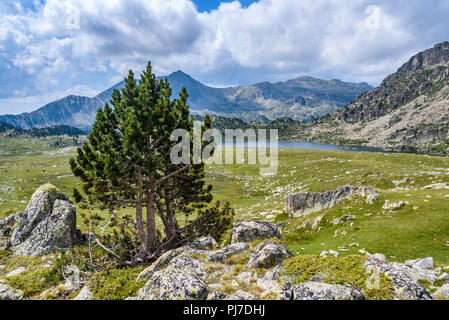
(408, 112)
(302, 99)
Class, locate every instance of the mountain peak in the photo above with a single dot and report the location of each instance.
(439, 54)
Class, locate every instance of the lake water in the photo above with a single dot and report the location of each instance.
(312, 146)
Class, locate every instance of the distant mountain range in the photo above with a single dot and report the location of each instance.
(302, 99)
(408, 112)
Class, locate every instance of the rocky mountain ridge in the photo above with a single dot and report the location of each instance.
(303, 98)
(408, 112)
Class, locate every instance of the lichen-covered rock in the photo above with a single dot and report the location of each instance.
(6, 293)
(215, 295)
(405, 279)
(84, 294)
(224, 253)
(252, 230)
(322, 291)
(171, 256)
(48, 224)
(305, 203)
(268, 254)
(205, 243)
(405, 287)
(443, 292)
(174, 284)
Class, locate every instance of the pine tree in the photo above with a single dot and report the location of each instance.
(126, 163)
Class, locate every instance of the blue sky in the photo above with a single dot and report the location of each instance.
(208, 5)
(53, 48)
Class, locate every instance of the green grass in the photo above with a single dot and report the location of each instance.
(406, 234)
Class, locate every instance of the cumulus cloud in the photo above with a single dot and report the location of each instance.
(49, 47)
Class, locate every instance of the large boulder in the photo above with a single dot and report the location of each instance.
(174, 284)
(6, 293)
(305, 203)
(268, 254)
(252, 230)
(322, 291)
(47, 225)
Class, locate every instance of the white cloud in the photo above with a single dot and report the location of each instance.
(269, 40)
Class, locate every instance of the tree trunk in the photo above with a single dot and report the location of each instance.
(170, 227)
(139, 219)
(151, 222)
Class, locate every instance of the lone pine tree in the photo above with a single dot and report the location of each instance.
(126, 163)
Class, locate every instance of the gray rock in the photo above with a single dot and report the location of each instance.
(174, 284)
(252, 230)
(245, 277)
(322, 291)
(170, 256)
(6, 293)
(205, 243)
(405, 287)
(240, 295)
(47, 225)
(424, 263)
(16, 272)
(443, 292)
(268, 254)
(224, 253)
(403, 278)
(287, 292)
(215, 295)
(84, 294)
(305, 203)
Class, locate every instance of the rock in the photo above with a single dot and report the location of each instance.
(174, 284)
(268, 254)
(393, 205)
(436, 186)
(245, 277)
(287, 292)
(269, 282)
(215, 295)
(443, 292)
(6, 293)
(241, 295)
(167, 259)
(425, 263)
(224, 253)
(322, 291)
(405, 287)
(16, 272)
(205, 243)
(416, 273)
(334, 253)
(84, 294)
(252, 230)
(370, 199)
(403, 278)
(443, 276)
(305, 203)
(375, 261)
(47, 225)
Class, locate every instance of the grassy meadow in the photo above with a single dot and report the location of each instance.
(419, 229)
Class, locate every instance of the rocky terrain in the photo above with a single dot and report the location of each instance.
(302, 99)
(408, 112)
(256, 264)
